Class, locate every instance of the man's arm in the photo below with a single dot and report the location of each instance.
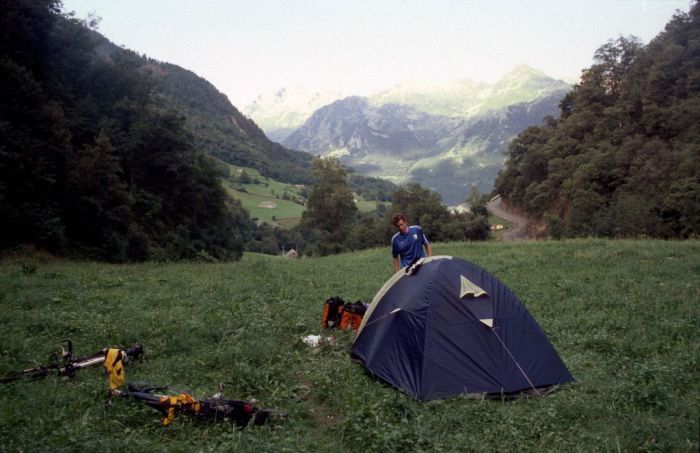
(396, 264)
(428, 247)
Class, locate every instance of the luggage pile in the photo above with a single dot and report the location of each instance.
(337, 314)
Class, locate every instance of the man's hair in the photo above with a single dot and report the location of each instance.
(396, 217)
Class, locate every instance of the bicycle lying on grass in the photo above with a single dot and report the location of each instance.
(170, 402)
(167, 401)
(64, 363)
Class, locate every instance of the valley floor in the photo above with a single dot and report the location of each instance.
(623, 315)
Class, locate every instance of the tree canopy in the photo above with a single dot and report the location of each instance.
(331, 206)
(90, 162)
(623, 158)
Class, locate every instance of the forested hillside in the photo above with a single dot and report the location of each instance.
(91, 163)
(623, 159)
(106, 154)
(219, 128)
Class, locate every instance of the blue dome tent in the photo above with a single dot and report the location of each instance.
(448, 328)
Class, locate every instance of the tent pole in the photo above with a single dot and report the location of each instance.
(516, 362)
(394, 311)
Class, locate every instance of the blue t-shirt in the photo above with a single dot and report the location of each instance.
(408, 246)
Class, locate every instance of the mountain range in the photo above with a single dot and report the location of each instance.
(280, 113)
(447, 137)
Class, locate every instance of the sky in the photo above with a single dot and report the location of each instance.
(252, 47)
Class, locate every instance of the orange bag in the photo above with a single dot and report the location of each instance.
(352, 315)
(350, 320)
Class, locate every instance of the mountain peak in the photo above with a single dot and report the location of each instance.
(287, 108)
(522, 72)
(525, 84)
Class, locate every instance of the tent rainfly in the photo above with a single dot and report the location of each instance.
(452, 328)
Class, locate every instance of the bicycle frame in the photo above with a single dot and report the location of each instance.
(67, 364)
(170, 402)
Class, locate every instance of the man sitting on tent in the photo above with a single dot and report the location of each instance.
(408, 243)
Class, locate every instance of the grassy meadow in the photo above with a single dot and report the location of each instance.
(264, 199)
(624, 316)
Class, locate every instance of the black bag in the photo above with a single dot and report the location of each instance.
(332, 312)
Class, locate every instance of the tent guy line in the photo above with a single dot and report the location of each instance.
(493, 329)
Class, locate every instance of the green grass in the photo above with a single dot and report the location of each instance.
(364, 205)
(624, 316)
(264, 200)
(267, 192)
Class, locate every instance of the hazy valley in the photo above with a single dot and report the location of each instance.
(446, 137)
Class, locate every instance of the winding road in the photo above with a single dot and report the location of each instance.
(517, 232)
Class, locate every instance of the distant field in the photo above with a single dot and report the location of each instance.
(265, 201)
(365, 205)
(624, 316)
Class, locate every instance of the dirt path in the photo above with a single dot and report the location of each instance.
(519, 223)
